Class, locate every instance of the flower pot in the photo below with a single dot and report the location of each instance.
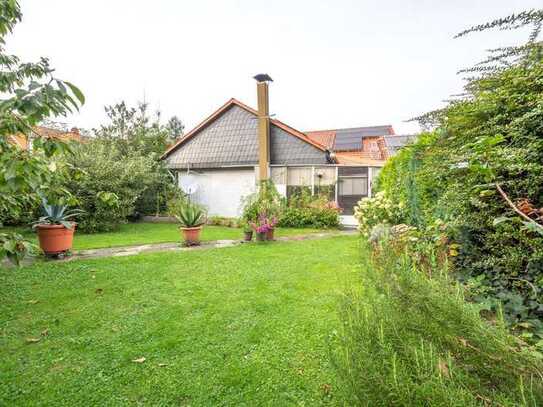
(260, 236)
(191, 236)
(269, 234)
(248, 236)
(55, 239)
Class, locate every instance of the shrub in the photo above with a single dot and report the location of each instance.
(374, 211)
(223, 221)
(305, 210)
(106, 185)
(266, 202)
(493, 138)
(411, 340)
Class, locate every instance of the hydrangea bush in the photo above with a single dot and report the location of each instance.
(376, 210)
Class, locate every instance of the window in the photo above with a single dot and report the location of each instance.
(353, 186)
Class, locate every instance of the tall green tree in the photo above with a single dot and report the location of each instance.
(136, 130)
(29, 94)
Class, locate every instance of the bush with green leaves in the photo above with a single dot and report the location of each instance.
(107, 185)
(223, 221)
(484, 144)
(134, 131)
(265, 201)
(376, 210)
(409, 338)
(306, 210)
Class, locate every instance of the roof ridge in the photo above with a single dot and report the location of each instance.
(351, 128)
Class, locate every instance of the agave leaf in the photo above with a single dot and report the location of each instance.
(67, 225)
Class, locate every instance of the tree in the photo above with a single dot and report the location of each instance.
(133, 129)
(29, 94)
(133, 133)
(175, 127)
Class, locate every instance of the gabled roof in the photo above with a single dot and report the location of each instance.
(234, 102)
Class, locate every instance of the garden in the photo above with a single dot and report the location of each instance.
(436, 301)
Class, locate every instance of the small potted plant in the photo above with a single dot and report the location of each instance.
(271, 228)
(191, 218)
(261, 231)
(56, 229)
(247, 231)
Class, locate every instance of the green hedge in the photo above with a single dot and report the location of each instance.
(451, 174)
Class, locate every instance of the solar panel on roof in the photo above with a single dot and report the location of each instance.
(351, 139)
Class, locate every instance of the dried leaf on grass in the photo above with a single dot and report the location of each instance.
(139, 360)
(443, 368)
(32, 340)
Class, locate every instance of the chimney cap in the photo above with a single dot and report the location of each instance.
(263, 77)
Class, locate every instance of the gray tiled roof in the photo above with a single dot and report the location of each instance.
(232, 140)
(396, 142)
(287, 149)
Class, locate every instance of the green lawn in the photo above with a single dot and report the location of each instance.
(248, 325)
(144, 233)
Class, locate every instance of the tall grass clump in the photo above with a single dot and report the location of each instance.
(409, 338)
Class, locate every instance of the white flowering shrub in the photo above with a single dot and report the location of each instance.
(373, 211)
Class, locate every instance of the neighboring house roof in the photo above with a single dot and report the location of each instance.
(357, 158)
(40, 131)
(349, 139)
(395, 143)
(234, 102)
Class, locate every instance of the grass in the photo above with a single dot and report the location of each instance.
(247, 325)
(146, 233)
(408, 339)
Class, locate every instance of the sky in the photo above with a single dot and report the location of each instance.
(335, 64)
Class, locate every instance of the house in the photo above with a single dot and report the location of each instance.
(225, 156)
(25, 142)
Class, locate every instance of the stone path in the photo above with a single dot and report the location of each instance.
(177, 246)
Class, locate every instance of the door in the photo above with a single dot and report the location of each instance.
(352, 186)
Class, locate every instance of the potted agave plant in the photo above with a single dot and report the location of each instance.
(56, 228)
(191, 218)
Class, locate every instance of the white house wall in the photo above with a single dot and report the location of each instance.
(222, 190)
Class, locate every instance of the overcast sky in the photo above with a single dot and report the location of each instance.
(334, 63)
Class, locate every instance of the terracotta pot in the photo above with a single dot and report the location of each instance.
(269, 234)
(191, 236)
(248, 236)
(260, 236)
(55, 239)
